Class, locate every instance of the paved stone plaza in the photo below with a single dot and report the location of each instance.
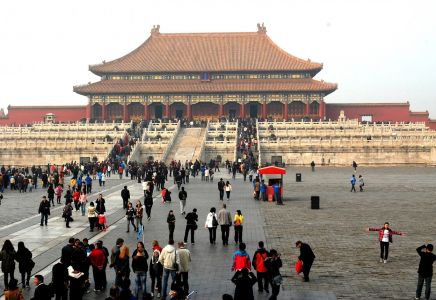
(347, 264)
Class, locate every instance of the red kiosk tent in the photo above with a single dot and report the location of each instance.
(272, 170)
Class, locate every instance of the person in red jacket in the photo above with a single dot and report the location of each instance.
(385, 234)
(241, 259)
(98, 260)
(259, 265)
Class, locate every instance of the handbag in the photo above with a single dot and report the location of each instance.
(299, 266)
(195, 226)
(277, 280)
(175, 265)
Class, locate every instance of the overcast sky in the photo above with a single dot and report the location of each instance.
(376, 50)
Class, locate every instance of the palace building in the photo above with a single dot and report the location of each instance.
(198, 76)
(205, 76)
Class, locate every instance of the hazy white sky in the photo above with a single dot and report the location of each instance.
(376, 50)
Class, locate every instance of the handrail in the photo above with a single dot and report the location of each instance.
(170, 144)
(258, 145)
(201, 155)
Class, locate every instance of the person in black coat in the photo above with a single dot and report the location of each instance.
(191, 225)
(307, 257)
(60, 280)
(273, 263)
(125, 194)
(25, 263)
(148, 203)
(44, 210)
(244, 281)
(42, 291)
(425, 270)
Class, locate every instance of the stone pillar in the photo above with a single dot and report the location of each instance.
(221, 110)
(125, 115)
(189, 111)
(146, 112)
(88, 111)
(285, 111)
(103, 112)
(264, 110)
(167, 110)
(242, 110)
(321, 111)
(307, 110)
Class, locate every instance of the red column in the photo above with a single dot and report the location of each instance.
(242, 110)
(321, 110)
(285, 111)
(307, 111)
(103, 112)
(167, 110)
(88, 111)
(189, 111)
(221, 110)
(264, 110)
(125, 116)
(146, 112)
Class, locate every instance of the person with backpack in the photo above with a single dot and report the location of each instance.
(259, 265)
(25, 263)
(273, 263)
(211, 224)
(241, 259)
(244, 281)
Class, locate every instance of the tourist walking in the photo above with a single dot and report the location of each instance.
(168, 259)
(354, 166)
(385, 234)
(211, 224)
(156, 272)
(140, 268)
(244, 281)
(67, 213)
(184, 262)
(171, 220)
(83, 200)
(228, 189)
(120, 262)
(238, 221)
(241, 259)
(191, 225)
(148, 203)
(258, 263)
(100, 206)
(225, 221)
(92, 216)
(273, 264)
(98, 261)
(50, 194)
(425, 270)
(130, 216)
(361, 183)
(139, 211)
(25, 263)
(307, 257)
(7, 257)
(183, 195)
(125, 195)
(353, 183)
(58, 193)
(312, 165)
(221, 186)
(44, 210)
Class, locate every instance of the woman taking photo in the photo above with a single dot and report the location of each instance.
(211, 224)
(238, 220)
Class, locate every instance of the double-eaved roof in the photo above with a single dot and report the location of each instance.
(216, 53)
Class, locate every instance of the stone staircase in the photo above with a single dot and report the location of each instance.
(187, 146)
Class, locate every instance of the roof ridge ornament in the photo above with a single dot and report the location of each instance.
(261, 28)
(155, 30)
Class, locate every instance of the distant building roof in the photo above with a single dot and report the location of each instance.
(197, 86)
(206, 52)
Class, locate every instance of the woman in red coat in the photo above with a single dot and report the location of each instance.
(385, 234)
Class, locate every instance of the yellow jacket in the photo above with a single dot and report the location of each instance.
(238, 219)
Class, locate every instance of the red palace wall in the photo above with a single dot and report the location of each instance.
(30, 114)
